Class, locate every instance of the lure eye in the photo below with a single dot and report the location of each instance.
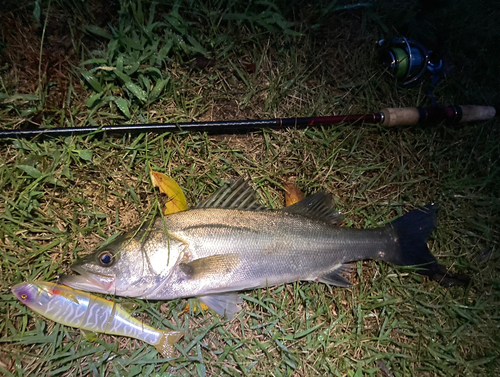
(106, 258)
(24, 296)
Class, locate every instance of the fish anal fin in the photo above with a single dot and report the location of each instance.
(336, 276)
(210, 267)
(166, 344)
(318, 206)
(225, 304)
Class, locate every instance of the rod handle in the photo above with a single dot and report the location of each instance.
(472, 113)
(403, 116)
(409, 116)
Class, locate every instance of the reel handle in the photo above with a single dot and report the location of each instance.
(409, 116)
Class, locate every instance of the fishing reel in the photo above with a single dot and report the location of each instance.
(408, 60)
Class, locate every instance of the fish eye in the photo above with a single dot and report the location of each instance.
(106, 258)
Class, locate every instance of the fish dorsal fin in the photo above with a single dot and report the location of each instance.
(234, 195)
(318, 206)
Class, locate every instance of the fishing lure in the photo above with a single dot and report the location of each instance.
(85, 311)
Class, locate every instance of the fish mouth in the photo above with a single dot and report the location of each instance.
(89, 281)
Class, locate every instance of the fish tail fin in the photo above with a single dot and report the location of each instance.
(166, 344)
(412, 231)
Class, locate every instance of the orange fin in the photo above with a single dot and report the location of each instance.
(176, 199)
(197, 305)
(292, 194)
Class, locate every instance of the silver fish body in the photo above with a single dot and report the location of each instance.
(209, 252)
(240, 250)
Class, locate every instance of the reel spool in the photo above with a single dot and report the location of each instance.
(408, 60)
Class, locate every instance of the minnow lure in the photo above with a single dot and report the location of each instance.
(88, 312)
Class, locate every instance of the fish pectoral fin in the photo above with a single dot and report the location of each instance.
(226, 304)
(89, 336)
(335, 277)
(210, 267)
(318, 206)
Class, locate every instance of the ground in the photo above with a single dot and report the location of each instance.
(125, 62)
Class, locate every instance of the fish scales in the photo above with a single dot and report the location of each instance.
(273, 248)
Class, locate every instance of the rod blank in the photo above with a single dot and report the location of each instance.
(389, 117)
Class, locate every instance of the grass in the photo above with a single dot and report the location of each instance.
(61, 198)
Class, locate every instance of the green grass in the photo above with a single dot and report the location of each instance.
(61, 198)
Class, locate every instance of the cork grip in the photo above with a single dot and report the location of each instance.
(406, 116)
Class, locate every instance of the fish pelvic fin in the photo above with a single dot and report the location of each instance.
(412, 231)
(167, 341)
(318, 206)
(225, 304)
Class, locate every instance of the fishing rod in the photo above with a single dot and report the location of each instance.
(389, 117)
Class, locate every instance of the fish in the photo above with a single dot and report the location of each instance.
(230, 243)
(88, 312)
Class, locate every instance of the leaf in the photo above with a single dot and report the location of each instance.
(153, 71)
(132, 68)
(122, 76)
(85, 155)
(98, 31)
(37, 11)
(92, 80)
(119, 63)
(136, 91)
(94, 98)
(122, 105)
(145, 83)
(292, 194)
(18, 97)
(163, 53)
(196, 46)
(160, 85)
(176, 199)
(32, 171)
(133, 43)
(93, 61)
